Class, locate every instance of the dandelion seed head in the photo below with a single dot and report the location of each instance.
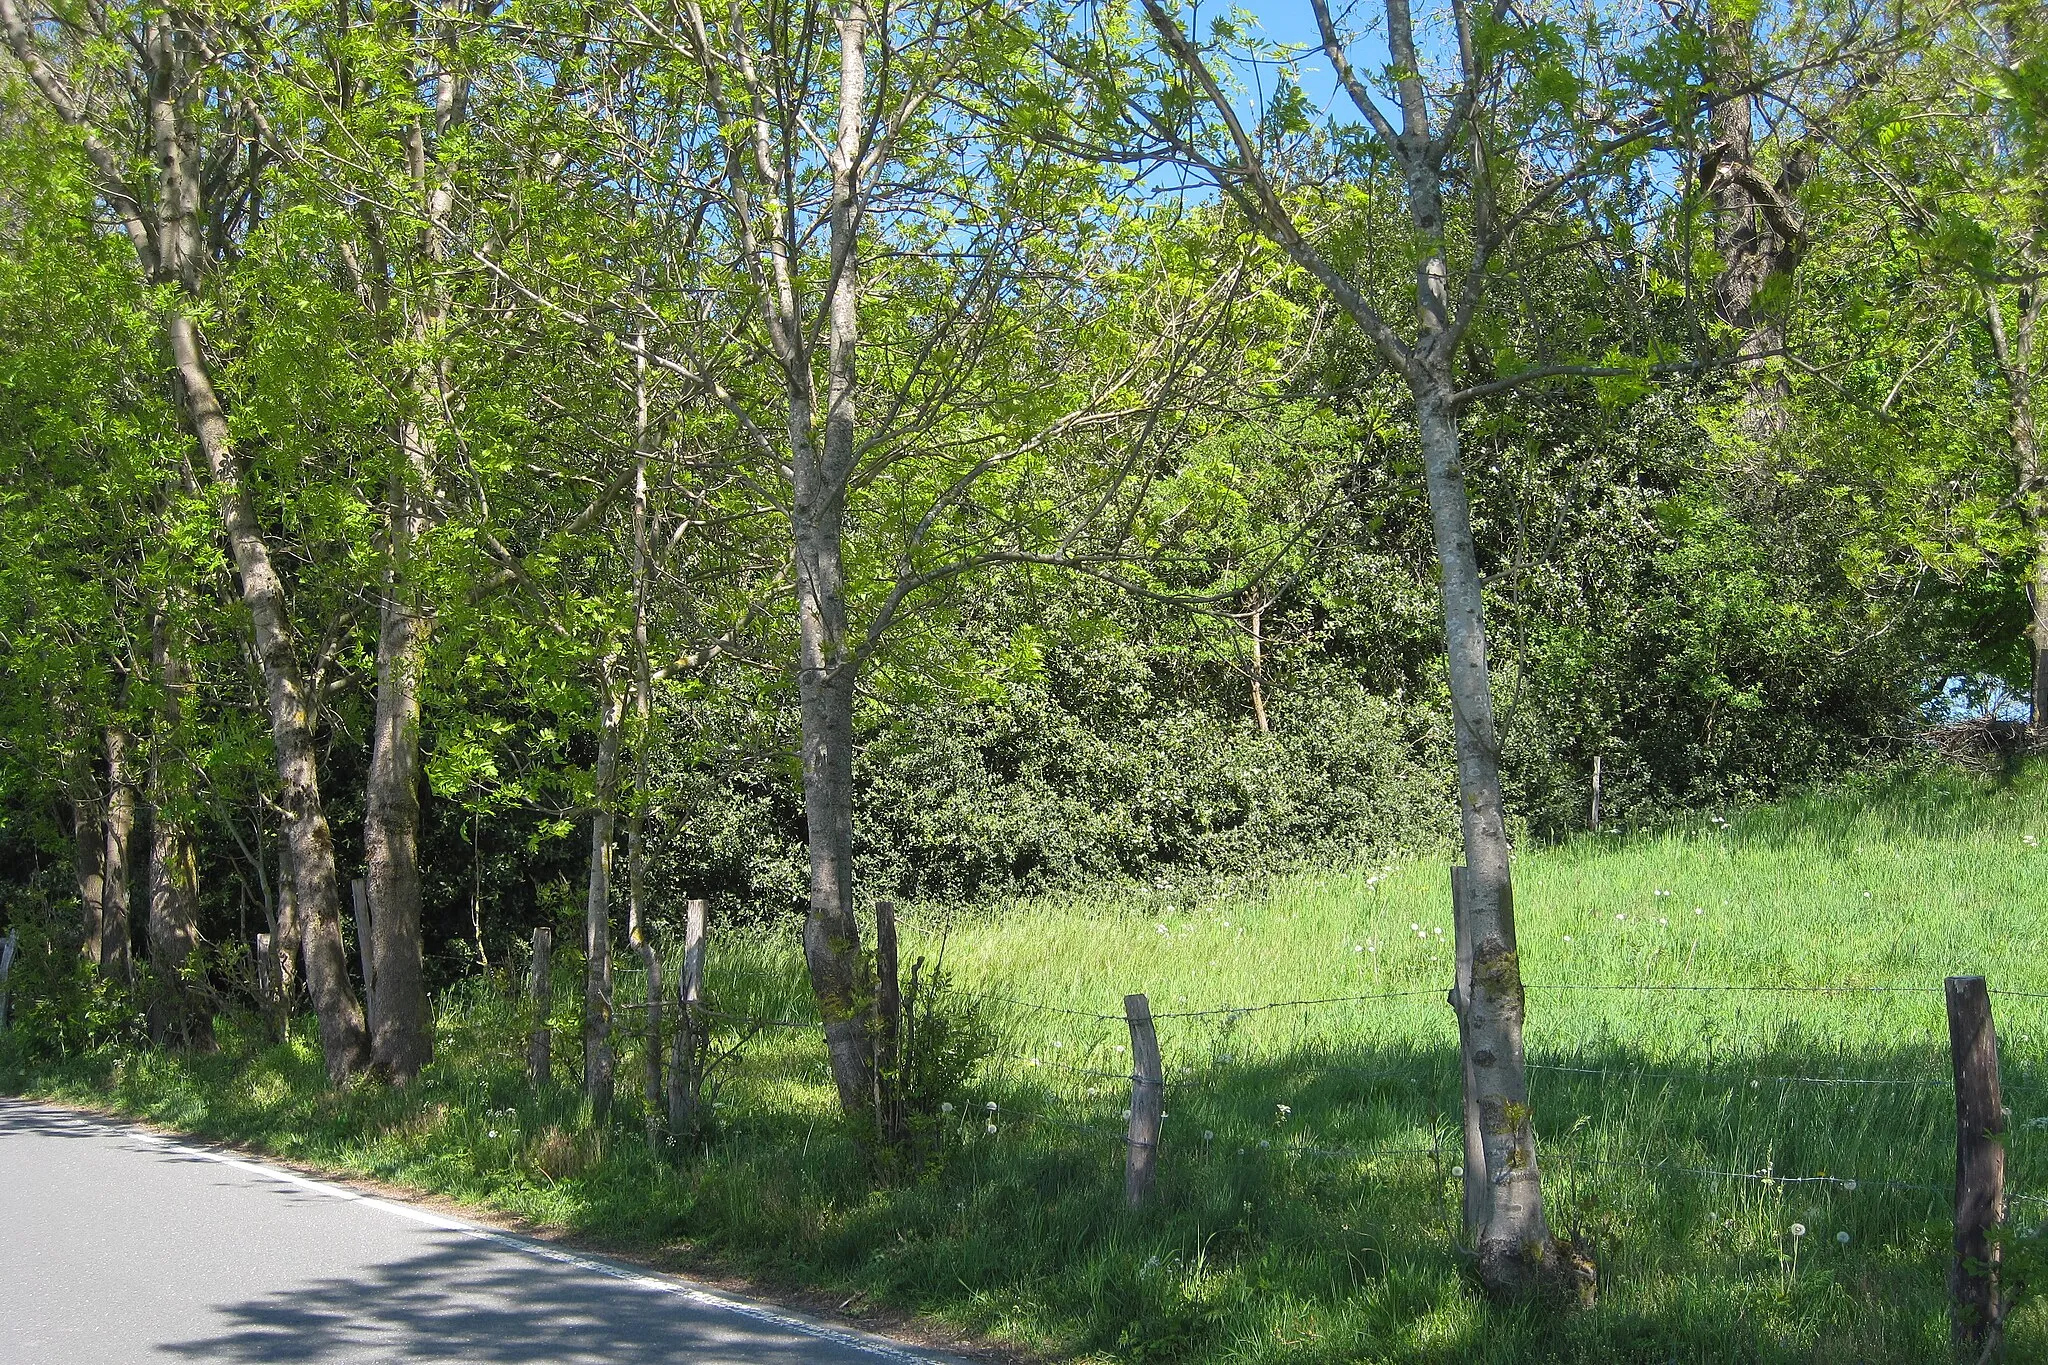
(1843, 1237)
(1799, 1229)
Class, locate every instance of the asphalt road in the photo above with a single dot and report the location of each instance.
(117, 1245)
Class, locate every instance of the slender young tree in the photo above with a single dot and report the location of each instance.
(1482, 141)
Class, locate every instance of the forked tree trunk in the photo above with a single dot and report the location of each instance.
(1753, 225)
(118, 859)
(598, 1061)
(178, 1012)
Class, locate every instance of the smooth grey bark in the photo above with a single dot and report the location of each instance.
(117, 859)
(598, 1060)
(826, 672)
(179, 1011)
(164, 227)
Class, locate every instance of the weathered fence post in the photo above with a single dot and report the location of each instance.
(540, 989)
(1148, 1094)
(7, 951)
(1596, 793)
(359, 891)
(266, 970)
(1975, 1314)
(685, 1068)
(652, 960)
(888, 1029)
(1474, 1203)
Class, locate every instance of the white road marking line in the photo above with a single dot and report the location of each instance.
(691, 1293)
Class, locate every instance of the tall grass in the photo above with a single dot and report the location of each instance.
(1306, 1201)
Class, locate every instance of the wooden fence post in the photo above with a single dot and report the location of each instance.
(1474, 1202)
(1975, 1314)
(540, 989)
(888, 1028)
(1596, 793)
(1148, 1093)
(652, 960)
(266, 971)
(686, 1063)
(359, 892)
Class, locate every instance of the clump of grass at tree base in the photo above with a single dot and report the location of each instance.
(1300, 1215)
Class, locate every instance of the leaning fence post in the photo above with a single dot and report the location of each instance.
(1148, 1093)
(540, 989)
(1975, 1313)
(1474, 1204)
(685, 1068)
(359, 892)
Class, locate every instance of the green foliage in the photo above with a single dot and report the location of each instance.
(60, 1006)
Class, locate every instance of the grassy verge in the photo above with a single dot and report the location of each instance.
(1303, 1212)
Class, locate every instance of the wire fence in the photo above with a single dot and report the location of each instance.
(1088, 1093)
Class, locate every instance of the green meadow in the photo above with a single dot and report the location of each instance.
(1738, 1060)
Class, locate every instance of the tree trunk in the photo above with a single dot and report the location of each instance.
(643, 675)
(825, 672)
(597, 923)
(343, 1039)
(178, 1012)
(118, 858)
(401, 1028)
(1750, 224)
(1516, 1248)
(1255, 624)
(401, 1033)
(2014, 348)
(88, 858)
(287, 931)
